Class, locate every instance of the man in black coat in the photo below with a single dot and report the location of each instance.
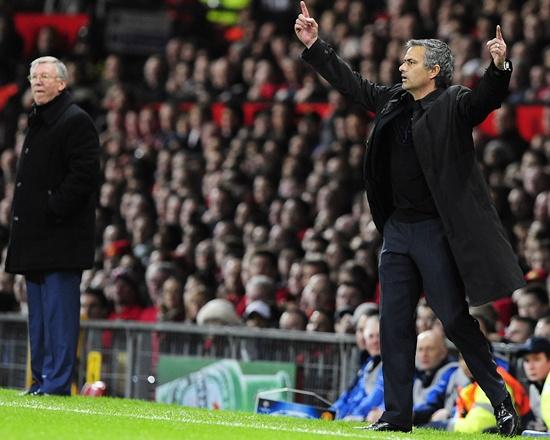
(53, 220)
(428, 197)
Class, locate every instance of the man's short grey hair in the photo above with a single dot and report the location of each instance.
(437, 53)
(59, 66)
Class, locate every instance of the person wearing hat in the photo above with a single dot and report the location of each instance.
(536, 364)
(258, 314)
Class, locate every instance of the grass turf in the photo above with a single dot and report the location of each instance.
(59, 418)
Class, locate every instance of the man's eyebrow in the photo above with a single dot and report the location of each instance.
(407, 60)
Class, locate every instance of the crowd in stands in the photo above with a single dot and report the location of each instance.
(211, 214)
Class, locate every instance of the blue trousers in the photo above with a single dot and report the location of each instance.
(54, 321)
(416, 257)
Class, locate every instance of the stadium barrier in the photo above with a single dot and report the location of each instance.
(125, 355)
(324, 363)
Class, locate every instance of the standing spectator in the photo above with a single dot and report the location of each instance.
(52, 235)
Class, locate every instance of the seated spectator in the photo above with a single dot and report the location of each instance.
(218, 312)
(123, 291)
(93, 304)
(171, 308)
(425, 316)
(293, 319)
(318, 294)
(196, 294)
(536, 364)
(348, 297)
(320, 321)
(519, 330)
(434, 370)
(155, 276)
(474, 412)
(343, 322)
(258, 314)
(366, 393)
(542, 328)
(532, 301)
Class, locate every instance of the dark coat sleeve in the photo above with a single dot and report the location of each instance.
(331, 67)
(475, 105)
(81, 153)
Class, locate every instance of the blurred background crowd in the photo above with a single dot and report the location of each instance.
(232, 187)
(232, 174)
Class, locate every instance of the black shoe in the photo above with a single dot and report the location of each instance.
(507, 418)
(385, 426)
(32, 391)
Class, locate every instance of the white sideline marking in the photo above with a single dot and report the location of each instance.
(184, 419)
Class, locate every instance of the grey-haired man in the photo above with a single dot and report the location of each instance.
(429, 199)
(53, 220)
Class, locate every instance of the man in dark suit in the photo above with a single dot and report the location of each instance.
(53, 219)
(428, 197)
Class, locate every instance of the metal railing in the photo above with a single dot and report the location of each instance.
(325, 363)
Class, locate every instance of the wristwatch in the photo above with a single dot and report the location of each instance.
(507, 66)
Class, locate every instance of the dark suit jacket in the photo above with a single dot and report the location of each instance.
(445, 149)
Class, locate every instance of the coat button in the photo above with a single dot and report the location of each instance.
(18, 184)
(49, 192)
(26, 151)
(16, 218)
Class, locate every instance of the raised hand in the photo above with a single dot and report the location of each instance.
(306, 28)
(497, 48)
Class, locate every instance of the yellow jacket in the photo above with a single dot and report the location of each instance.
(474, 410)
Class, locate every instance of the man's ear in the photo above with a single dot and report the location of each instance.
(62, 86)
(434, 71)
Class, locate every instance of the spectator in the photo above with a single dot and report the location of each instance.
(258, 314)
(536, 364)
(123, 291)
(532, 302)
(542, 328)
(472, 414)
(218, 312)
(520, 329)
(93, 304)
(293, 319)
(434, 370)
(366, 393)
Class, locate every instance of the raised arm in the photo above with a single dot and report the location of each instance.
(306, 28)
(492, 88)
(330, 66)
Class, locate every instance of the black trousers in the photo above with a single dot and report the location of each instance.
(417, 256)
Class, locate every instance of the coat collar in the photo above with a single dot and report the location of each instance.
(429, 99)
(52, 110)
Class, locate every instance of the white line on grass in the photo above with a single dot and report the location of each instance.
(184, 419)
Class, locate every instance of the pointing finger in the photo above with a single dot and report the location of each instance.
(304, 9)
(499, 32)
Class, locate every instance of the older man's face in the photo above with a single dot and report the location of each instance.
(45, 83)
(415, 76)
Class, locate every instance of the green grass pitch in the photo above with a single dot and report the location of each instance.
(60, 418)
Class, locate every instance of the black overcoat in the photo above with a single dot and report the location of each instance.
(444, 145)
(53, 211)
